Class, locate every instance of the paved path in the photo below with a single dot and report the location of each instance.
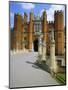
(24, 73)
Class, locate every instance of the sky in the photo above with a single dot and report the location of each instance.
(36, 8)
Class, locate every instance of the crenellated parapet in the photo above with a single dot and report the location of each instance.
(58, 12)
(50, 25)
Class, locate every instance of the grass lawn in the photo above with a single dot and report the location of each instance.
(61, 78)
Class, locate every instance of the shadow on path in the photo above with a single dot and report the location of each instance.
(29, 62)
(42, 66)
(33, 65)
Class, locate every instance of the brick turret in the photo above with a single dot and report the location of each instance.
(59, 32)
(17, 31)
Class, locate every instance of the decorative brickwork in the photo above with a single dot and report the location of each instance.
(59, 32)
(23, 34)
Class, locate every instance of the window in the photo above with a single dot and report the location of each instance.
(37, 27)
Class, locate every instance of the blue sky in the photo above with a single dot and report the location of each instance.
(37, 8)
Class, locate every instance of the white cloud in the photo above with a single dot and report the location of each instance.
(41, 12)
(11, 14)
(11, 25)
(11, 19)
(27, 5)
(50, 11)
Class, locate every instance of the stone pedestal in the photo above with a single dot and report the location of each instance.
(40, 47)
(53, 66)
(43, 51)
(32, 49)
(39, 50)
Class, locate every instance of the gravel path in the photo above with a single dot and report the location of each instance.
(24, 73)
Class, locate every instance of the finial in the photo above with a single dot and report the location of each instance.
(25, 14)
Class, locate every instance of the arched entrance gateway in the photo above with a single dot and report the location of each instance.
(35, 43)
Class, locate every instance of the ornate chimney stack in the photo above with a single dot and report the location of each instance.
(25, 18)
(30, 32)
(44, 25)
(44, 36)
(22, 36)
